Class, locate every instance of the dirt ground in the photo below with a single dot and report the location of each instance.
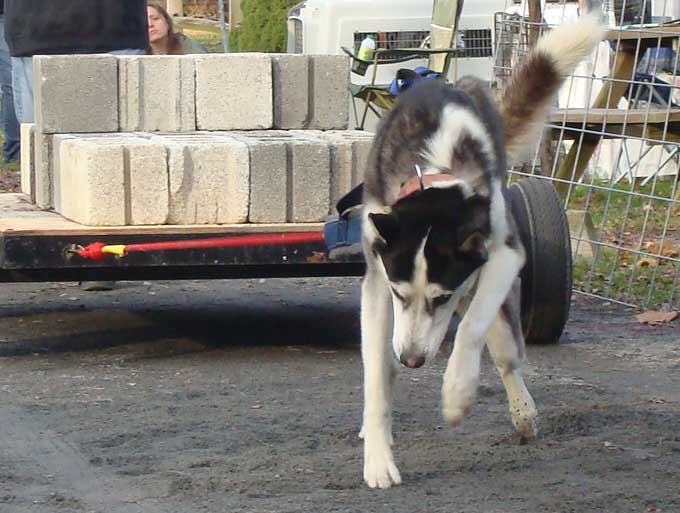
(244, 396)
(10, 177)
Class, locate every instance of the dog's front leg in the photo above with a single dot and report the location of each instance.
(461, 378)
(379, 371)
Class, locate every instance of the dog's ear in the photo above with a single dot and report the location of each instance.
(474, 246)
(474, 231)
(385, 225)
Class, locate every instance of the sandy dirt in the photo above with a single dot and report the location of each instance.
(245, 396)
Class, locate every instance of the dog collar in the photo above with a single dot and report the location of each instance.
(420, 176)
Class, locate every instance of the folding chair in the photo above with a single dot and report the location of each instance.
(443, 41)
(651, 89)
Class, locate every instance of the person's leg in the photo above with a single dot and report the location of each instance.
(22, 81)
(8, 119)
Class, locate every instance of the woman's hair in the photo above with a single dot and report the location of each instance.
(174, 44)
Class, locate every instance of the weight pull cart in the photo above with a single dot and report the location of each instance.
(39, 246)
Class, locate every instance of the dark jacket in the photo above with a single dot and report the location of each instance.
(34, 27)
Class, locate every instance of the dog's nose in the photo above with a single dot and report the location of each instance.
(412, 362)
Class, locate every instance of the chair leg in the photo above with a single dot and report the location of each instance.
(616, 178)
(356, 114)
(660, 167)
(367, 104)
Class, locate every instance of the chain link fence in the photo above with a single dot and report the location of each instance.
(612, 147)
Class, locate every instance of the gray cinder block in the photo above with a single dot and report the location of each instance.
(75, 93)
(92, 182)
(82, 193)
(43, 171)
(307, 177)
(146, 183)
(268, 175)
(234, 91)
(349, 158)
(28, 160)
(209, 178)
(157, 93)
(290, 75)
(329, 92)
(309, 180)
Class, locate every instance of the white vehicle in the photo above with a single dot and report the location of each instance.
(325, 26)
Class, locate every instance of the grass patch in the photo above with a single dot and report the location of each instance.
(629, 219)
(10, 174)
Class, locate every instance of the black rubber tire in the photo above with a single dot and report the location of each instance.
(547, 273)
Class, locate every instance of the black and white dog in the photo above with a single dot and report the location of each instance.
(451, 244)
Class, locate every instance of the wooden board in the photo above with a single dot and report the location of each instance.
(19, 217)
(650, 32)
(614, 116)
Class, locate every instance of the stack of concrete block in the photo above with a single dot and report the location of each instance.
(208, 177)
(157, 93)
(206, 139)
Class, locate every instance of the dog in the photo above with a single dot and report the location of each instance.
(446, 241)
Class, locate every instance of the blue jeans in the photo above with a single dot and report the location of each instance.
(22, 75)
(8, 119)
(22, 81)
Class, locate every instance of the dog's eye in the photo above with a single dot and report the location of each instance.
(441, 300)
(399, 296)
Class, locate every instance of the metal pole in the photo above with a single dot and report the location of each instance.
(223, 27)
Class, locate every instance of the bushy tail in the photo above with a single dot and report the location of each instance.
(526, 102)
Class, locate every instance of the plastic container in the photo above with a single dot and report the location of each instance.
(365, 56)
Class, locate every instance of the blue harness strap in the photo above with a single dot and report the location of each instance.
(406, 78)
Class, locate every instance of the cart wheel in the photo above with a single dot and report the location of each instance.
(547, 274)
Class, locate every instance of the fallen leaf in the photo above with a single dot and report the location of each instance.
(646, 262)
(652, 316)
(667, 248)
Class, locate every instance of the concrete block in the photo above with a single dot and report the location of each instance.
(208, 177)
(55, 160)
(57, 141)
(329, 93)
(290, 76)
(76, 93)
(234, 91)
(157, 93)
(92, 182)
(307, 175)
(28, 160)
(44, 186)
(349, 158)
(268, 177)
(308, 180)
(82, 194)
(146, 183)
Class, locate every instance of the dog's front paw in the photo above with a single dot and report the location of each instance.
(457, 398)
(524, 418)
(379, 468)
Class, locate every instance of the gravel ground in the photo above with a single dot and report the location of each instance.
(244, 396)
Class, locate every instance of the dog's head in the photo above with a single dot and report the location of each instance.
(430, 243)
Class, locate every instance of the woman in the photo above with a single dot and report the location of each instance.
(163, 40)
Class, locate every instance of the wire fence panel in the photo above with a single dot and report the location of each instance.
(612, 147)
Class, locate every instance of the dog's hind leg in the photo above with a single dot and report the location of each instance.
(379, 372)
(461, 377)
(506, 345)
